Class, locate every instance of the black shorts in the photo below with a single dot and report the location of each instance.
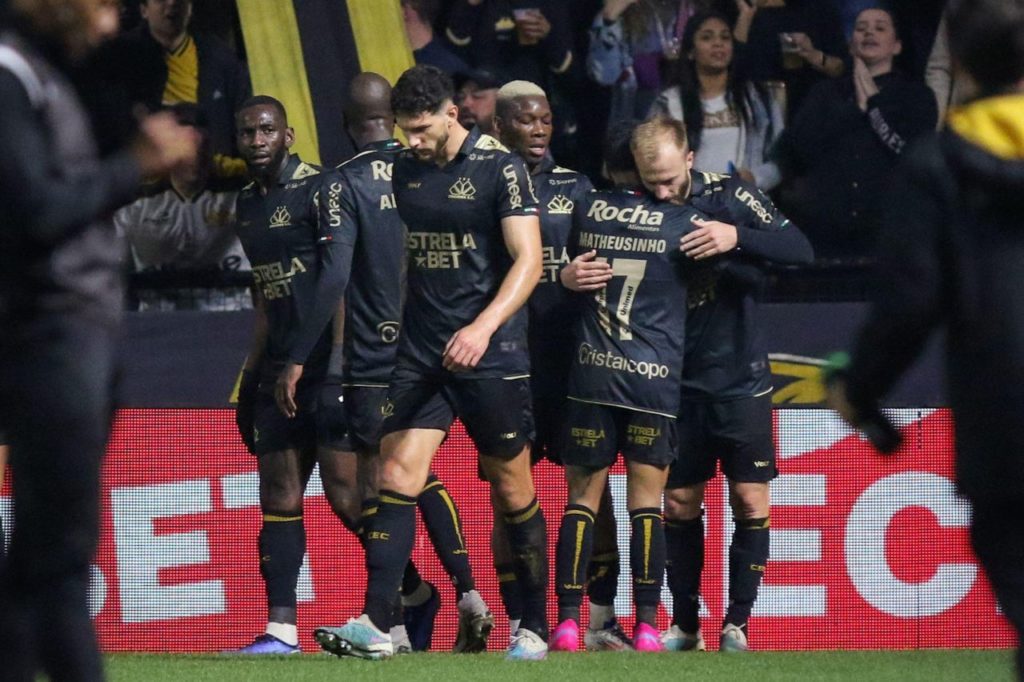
(364, 408)
(306, 430)
(594, 435)
(496, 412)
(736, 432)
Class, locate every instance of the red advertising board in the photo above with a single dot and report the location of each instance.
(867, 552)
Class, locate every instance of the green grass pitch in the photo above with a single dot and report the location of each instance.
(873, 666)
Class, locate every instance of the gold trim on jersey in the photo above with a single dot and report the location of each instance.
(487, 142)
(304, 170)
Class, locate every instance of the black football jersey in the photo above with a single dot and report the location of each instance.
(457, 258)
(373, 310)
(280, 233)
(553, 307)
(628, 350)
(725, 356)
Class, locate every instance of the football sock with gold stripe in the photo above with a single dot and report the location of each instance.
(646, 561)
(572, 557)
(282, 544)
(441, 517)
(389, 539)
(748, 555)
(527, 539)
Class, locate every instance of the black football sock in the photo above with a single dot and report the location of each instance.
(748, 555)
(411, 579)
(389, 541)
(511, 592)
(604, 570)
(572, 556)
(684, 541)
(369, 508)
(527, 539)
(646, 561)
(282, 544)
(441, 517)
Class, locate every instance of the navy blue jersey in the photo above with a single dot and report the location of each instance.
(628, 350)
(725, 357)
(552, 306)
(373, 309)
(282, 234)
(457, 257)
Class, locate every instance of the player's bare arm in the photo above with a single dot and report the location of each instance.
(522, 239)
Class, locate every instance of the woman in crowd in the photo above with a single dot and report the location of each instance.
(847, 137)
(732, 121)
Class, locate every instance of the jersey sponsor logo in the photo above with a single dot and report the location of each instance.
(588, 356)
(334, 205)
(753, 204)
(388, 331)
(586, 438)
(381, 170)
(275, 279)
(552, 263)
(463, 189)
(280, 217)
(438, 250)
(589, 240)
(560, 205)
(601, 211)
(642, 435)
(515, 197)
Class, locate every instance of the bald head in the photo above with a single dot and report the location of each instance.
(368, 115)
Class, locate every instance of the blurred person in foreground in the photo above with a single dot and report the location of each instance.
(953, 256)
(60, 297)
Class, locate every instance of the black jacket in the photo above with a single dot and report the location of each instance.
(223, 81)
(953, 256)
(842, 158)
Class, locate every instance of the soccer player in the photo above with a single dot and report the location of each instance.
(523, 122)
(725, 413)
(624, 388)
(289, 223)
(474, 258)
(373, 313)
(952, 256)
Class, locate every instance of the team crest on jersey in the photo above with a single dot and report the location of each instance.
(560, 205)
(281, 217)
(462, 189)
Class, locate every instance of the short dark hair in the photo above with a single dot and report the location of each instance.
(264, 101)
(986, 37)
(618, 157)
(423, 88)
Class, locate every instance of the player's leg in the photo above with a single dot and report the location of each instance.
(498, 417)
(589, 449)
(695, 465)
(603, 632)
(336, 458)
(508, 585)
(1000, 548)
(744, 427)
(57, 388)
(648, 444)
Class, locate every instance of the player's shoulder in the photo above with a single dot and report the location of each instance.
(487, 143)
(305, 170)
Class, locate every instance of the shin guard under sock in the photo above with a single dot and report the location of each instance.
(441, 517)
(527, 539)
(647, 561)
(748, 555)
(572, 557)
(684, 542)
(388, 540)
(282, 544)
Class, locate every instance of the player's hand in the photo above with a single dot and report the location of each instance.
(711, 238)
(464, 350)
(585, 273)
(164, 145)
(863, 83)
(284, 389)
(245, 412)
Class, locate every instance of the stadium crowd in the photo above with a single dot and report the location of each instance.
(475, 272)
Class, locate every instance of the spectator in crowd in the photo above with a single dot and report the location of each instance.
(167, 64)
(476, 96)
(530, 38)
(847, 137)
(797, 42)
(60, 300)
(629, 40)
(732, 122)
(419, 17)
(186, 225)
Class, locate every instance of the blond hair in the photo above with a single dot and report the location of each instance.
(649, 135)
(513, 90)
